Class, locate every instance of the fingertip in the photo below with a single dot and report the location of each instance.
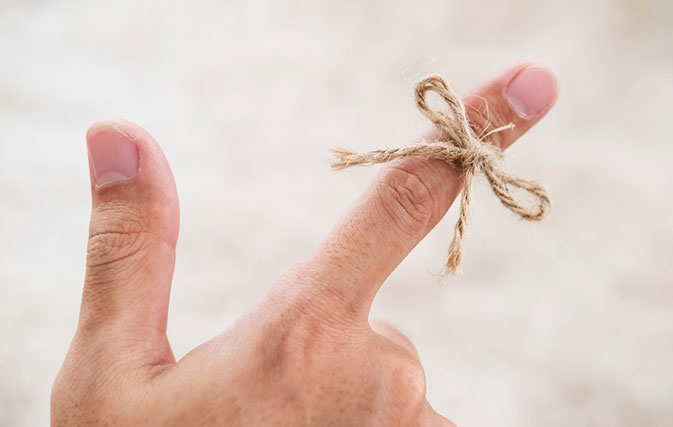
(531, 89)
(111, 144)
(113, 154)
(532, 80)
(132, 129)
(519, 94)
(127, 166)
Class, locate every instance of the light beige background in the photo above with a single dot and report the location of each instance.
(568, 322)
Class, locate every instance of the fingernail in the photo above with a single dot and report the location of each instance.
(113, 156)
(531, 91)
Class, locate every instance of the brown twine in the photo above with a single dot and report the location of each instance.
(464, 150)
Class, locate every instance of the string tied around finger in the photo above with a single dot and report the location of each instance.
(466, 151)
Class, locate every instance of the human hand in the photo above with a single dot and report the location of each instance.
(306, 354)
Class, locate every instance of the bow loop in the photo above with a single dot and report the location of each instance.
(453, 126)
(500, 182)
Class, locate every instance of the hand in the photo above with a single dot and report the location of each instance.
(306, 353)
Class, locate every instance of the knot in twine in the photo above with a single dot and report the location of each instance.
(463, 149)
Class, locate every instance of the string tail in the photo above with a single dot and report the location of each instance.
(343, 157)
(452, 267)
(455, 250)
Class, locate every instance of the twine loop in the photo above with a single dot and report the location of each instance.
(464, 150)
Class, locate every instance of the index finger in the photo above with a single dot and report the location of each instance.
(409, 196)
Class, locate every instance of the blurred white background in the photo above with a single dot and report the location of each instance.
(568, 322)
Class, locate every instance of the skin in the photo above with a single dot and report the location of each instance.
(306, 354)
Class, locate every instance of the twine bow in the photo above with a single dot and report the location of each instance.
(464, 150)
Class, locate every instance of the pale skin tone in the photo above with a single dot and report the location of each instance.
(307, 352)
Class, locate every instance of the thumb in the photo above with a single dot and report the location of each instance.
(132, 237)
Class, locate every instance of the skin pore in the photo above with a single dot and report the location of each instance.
(306, 354)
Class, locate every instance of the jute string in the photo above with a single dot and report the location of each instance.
(463, 149)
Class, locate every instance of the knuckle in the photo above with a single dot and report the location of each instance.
(109, 247)
(391, 333)
(117, 233)
(406, 197)
(407, 377)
